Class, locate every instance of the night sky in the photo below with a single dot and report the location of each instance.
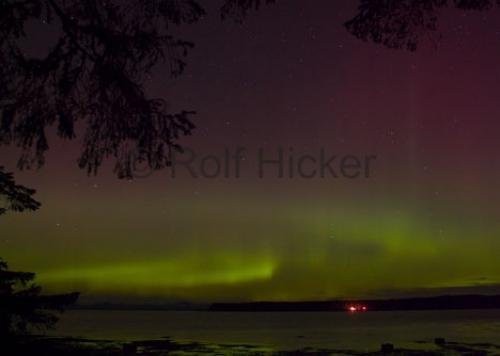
(425, 222)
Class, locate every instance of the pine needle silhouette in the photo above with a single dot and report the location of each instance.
(15, 197)
(95, 75)
(23, 308)
(401, 24)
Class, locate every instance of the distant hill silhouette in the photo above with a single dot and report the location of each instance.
(428, 303)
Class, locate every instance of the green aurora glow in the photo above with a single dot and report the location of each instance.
(425, 223)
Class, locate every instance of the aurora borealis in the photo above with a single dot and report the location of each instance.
(426, 222)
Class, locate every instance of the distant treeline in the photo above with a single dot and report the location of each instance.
(430, 303)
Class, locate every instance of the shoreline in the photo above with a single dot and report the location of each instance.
(58, 346)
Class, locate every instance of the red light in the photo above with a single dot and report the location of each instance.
(356, 308)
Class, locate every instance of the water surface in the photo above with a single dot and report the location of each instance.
(288, 330)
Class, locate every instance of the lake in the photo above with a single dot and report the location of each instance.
(288, 330)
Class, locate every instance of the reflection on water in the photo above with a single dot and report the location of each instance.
(294, 330)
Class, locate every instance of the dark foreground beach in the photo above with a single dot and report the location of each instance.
(47, 346)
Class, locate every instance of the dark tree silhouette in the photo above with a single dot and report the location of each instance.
(15, 197)
(22, 308)
(238, 9)
(401, 24)
(95, 74)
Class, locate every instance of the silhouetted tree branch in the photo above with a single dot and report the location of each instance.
(94, 73)
(15, 197)
(238, 9)
(400, 24)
